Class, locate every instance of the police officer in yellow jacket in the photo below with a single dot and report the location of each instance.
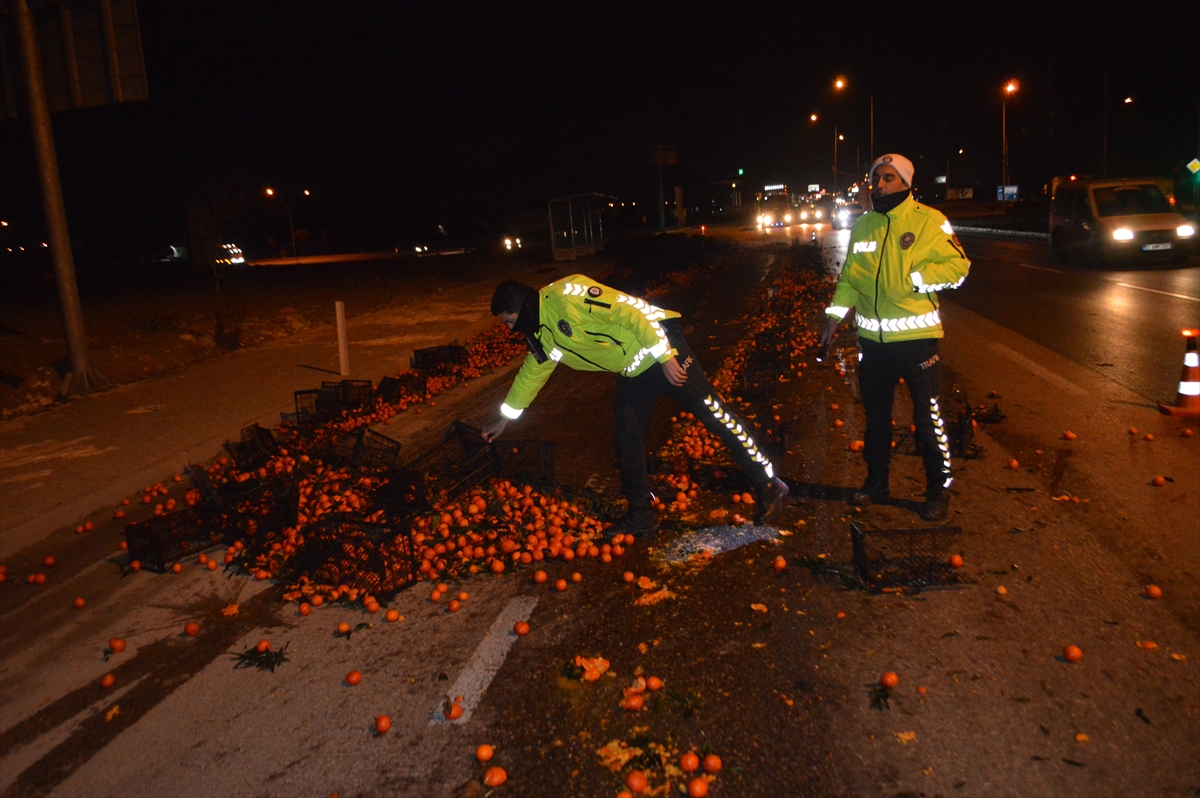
(898, 257)
(588, 326)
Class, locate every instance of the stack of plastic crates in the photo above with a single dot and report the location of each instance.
(438, 358)
(255, 446)
(163, 540)
(376, 559)
(460, 462)
(890, 560)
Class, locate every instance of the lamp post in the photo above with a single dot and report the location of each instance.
(839, 83)
(270, 192)
(1010, 88)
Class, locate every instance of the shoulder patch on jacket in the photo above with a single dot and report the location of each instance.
(907, 240)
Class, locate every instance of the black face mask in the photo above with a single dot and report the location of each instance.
(887, 203)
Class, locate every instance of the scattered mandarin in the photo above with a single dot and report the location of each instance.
(697, 787)
(191, 629)
(49, 562)
(689, 762)
(1158, 481)
(78, 603)
(495, 776)
(654, 683)
(889, 680)
(107, 680)
(956, 561)
(263, 646)
(576, 577)
(392, 615)
(636, 781)
(1153, 591)
(343, 628)
(1148, 437)
(383, 723)
(1072, 654)
(1013, 465)
(539, 577)
(484, 753)
(116, 645)
(521, 628)
(628, 576)
(560, 585)
(305, 608)
(712, 763)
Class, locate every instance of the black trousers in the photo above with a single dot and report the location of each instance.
(636, 397)
(879, 369)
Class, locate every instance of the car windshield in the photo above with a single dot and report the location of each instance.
(1129, 200)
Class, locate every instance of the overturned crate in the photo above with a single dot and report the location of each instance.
(271, 506)
(317, 405)
(352, 394)
(460, 462)
(437, 358)
(371, 558)
(253, 448)
(400, 494)
(362, 448)
(891, 560)
(410, 383)
(159, 542)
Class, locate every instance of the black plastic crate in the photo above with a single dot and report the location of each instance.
(531, 461)
(905, 559)
(367, 557)
(163, 540)
(392, 388)
(271, 506)
(316, 405)
(254, 447)
(362, 448)
(352, 394)
(438, 357)
(460, 462)
(401, 495)
(220, 493)
(759, 379)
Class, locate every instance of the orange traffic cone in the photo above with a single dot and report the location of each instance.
(1187, 401)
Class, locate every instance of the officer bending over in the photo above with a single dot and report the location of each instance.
(587, 326)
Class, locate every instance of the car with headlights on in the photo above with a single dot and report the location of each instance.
(1107, 220)
(846, 215)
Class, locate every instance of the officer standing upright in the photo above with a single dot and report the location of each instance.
(899, 256)
(588, 326)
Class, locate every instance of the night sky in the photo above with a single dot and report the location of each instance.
(477, 109)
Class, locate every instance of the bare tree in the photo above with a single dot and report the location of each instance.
(217, 213)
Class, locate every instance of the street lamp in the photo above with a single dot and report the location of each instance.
(1010, 88)
(270, 192)
(839, 83)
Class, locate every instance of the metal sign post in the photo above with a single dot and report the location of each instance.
(81, 378)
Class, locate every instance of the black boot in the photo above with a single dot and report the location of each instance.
(640, 522)
(937, 506)
(770, 500)
(874, 490)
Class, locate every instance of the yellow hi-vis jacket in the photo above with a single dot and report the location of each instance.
(895, 264)
(590, 327)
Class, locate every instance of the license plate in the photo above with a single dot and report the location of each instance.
(1154, 247)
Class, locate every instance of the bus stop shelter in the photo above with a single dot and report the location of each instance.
(577, 226)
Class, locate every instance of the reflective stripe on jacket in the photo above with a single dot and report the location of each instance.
(590, 327)
(895, 264)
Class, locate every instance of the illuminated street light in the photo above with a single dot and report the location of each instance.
(812, 118)
(1010, 88)
(1128, 100)
(840, 82)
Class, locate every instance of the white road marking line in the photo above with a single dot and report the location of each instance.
(1043, 372)
(487, 659)
(1040, 268)
(1156, 291)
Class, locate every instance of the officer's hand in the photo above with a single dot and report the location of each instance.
(827, 333)
(675, 373)
(494, 430)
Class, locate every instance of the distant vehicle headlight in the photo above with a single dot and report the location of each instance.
(518, 241)
(418, 249)
(508, 243)
(844, 215)
(818, 214)
(1185, 231)
(787, 217)
(760, 218)
(767, 218)
(1123, 234)
(803, 214)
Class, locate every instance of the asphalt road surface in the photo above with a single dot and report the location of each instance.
(775, 672)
